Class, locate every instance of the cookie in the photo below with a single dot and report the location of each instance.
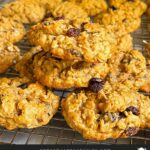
(90, 43)
(25, 65)
(25, 11)
(10, 30)
(71, 11)
(9, 55)
(116, 3)
(146, 86)
(92, 7)
(125, 19)
(128, 68)
(114, 112)
(24, 104)
(57, 73)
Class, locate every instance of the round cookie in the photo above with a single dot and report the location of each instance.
(71, 11)
(124, 19)
(9, 55)
(60, 74)
(128, 68)
(24, 104)
(84, 113)
(92, 7)
(25, 11)
(56, 73)
(10, 30)
(90, 43)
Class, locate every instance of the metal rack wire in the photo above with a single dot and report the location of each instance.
(57, 131)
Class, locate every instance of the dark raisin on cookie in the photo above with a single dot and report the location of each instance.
(113, 8)
(23, 86)
(131, 131)
(73, 32)
(121, 115)
(82, 26)
(133, 109)
(96, 84)
(60, 18)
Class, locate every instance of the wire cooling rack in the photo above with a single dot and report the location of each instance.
(57, 131)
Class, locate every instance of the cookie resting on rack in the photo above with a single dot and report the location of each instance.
(128, 68)
(57, 73)
(90, 43)
(92, 7)
(71, 11)
(9, 55)
(25, 11)
(24, 104)
(10, 30)
(125, 19)
(114, 112)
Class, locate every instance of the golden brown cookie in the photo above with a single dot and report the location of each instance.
(90, 43)
(25, 65)
(9, 55)
(92, 7)
(24, 104)
(25, 11)
(115, 111)
(124, 19)
(57, 73)
(71, 11)
(128, 68)
(10, 30)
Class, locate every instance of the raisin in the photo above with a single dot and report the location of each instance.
(23, 86)
(73, 32)
(76, 53)
(19, 112)
(48, 15)
(96, 84)
(121, 115)
(60, 18)
(131, 131)
(113, 8)
(134, 110)
(82, 26)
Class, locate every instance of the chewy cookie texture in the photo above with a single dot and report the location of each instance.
(24, 104)
(113, 112)
(90, 43)
(82, 44)
(123, 19)
(57, 73)
(9, 55)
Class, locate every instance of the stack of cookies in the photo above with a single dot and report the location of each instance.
(85, 45)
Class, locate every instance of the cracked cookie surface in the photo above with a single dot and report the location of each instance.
(10, 30)
(90, 43)
(57, 73)
(92, 7)
(71, 11)
(128, 68)
(114, 112)
(124, 19)
(25, 11)
(9, 55)
(24, 104)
